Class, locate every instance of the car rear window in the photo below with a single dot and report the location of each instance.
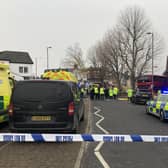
(41, 91)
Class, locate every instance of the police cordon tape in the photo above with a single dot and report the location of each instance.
(116, 138)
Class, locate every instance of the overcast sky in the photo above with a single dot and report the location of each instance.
(32, 25)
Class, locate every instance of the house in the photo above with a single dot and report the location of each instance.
(20, 63)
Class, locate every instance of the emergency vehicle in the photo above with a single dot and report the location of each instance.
(6, 85)
(159, 106)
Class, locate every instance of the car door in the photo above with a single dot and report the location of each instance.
(156, 105)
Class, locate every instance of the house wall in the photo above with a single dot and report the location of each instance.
(14, 68)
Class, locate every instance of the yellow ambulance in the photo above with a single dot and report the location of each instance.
(6, 85)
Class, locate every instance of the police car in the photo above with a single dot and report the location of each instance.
(159, 106)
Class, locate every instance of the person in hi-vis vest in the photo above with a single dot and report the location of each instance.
(102, 93)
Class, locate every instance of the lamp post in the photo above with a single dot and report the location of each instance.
(48, 57)
(151, 33)
(36, 66)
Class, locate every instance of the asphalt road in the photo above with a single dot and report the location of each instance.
(40, 155)
(121, 117)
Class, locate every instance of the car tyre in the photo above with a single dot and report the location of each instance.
(147, 111)
(83, 114)
(162, 118)
(77, 126)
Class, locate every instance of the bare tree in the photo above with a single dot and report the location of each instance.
(96, 55)
(113, 56)
(92, 57)
(134, 44)
(74, 57)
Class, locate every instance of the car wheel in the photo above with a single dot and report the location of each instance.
(83, 114)
(147, 110)
(162, 118)
(76, 126)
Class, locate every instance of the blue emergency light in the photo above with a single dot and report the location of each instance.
(164, 91)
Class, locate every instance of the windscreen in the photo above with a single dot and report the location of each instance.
(144, 79)
(39, 91)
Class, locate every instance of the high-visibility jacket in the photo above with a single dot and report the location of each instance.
(101, 91)
(96, 91)
(115, 91)
(82, 90)
(110, 92)
(130, 92)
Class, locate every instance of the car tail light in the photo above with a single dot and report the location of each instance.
(71, 109)
(10, 109)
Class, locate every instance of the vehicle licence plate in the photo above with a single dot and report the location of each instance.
(41, 118)
(144, 95)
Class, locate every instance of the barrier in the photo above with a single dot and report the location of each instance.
(116, 138)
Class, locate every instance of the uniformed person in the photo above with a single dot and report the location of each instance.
(82, 91)
(129, 94)
(158, 92)
(96, 92)
(115, 92)
(91, 91)
(101, 93)
(110, 93)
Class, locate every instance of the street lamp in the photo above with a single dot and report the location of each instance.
(151, 33)
(48, 57)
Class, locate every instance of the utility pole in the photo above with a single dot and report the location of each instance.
(48, 57)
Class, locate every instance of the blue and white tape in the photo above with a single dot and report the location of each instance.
(116, 138)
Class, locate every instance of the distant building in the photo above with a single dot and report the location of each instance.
(20, 63)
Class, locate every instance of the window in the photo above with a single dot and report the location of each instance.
(21, 69)
(25, 69)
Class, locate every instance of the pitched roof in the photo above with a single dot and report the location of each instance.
(16, 57)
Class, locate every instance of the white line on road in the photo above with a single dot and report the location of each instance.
(5, 145)
(84, 145)
(98, 147)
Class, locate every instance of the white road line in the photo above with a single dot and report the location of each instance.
(5, 145)
(98, 147)
(84, 145)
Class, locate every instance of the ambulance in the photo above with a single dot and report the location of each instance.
(6, 86)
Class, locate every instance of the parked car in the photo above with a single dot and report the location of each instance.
(158, 107)
(141, 96)
(45, 106)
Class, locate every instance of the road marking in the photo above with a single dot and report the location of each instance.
(5, 145)
(126, 99)
(84, 145)
(99, 146)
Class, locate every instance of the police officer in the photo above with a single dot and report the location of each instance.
(115, 92)
(110, 93)
(82, 91)
(158, 92)
(96, 92)
(102, 93)
(129, 94)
